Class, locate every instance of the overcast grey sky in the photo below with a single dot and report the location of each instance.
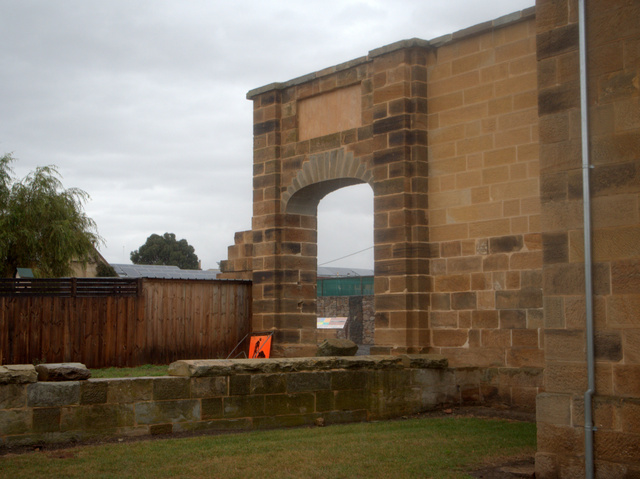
(143, 105)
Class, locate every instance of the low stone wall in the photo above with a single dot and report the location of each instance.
(223, 395)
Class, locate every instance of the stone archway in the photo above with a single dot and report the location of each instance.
(317, 134)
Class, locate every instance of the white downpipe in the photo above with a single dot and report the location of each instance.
(586, 199)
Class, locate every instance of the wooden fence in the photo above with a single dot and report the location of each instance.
(121, 322)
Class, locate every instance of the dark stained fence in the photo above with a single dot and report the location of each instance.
(120, 322)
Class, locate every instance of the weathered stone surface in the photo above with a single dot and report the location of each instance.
(15, 421)
(244, 406)
(212, 408)
(96, 417)
(167, 411)
(425, 361)
(221, 367)
(46, 419)
(268, 384)
(94, 391)
(47, 394)
(62, 372)
(18, 374)
(308, 381)
(208, 387)
(171, 388)
(337, 347)
(13, 396)
(284, 404)
(129, 390)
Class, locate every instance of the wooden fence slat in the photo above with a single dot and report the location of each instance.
(165, 320)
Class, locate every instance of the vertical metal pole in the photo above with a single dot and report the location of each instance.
(586, 199)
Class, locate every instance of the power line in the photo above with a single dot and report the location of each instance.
(352, 254)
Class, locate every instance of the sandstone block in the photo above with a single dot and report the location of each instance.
(349, 380)
(15, 421)
(513, 319)
(240, 385)
(268, 384)
(124, 390)
(352, 399)
(608, 345)
(243, 406)
(450, 337)
(337, 347)
(630, 416)
(96, 417)
(616, 446)
(212, 408)
(525, 357)
(171, 388)
(325, 401)
(13, 396)
(626, 380)
(424, 361)
(285, 404)
(18, 374)
(94, 391)
(465, 300)
(505, 244)
(167, 411)
(561, 440)
(546, 466)
(311, 381)
(46, 419)
(62, 372)
(564, 345)
(563, 377)
(53, 394)
(553, 409)
(208, 387)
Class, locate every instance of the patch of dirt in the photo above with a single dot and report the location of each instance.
(511, 469)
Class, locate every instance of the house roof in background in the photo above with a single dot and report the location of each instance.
(163, 272)
(332, 272)
(173, 272)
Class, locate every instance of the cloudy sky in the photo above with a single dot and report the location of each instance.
(143, 105)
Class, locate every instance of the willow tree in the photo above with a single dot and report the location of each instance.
(43, 226)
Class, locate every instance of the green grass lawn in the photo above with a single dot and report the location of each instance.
(416, 448)
(140, 371)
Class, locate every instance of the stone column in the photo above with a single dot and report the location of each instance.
(400, 198)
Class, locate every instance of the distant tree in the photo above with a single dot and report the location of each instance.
(104, 270)
(42, 225)
(165, 250)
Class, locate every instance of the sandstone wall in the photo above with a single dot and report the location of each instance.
(219, 395)
(613, 59)
(483, 204)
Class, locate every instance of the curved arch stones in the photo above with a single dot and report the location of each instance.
(321, 175)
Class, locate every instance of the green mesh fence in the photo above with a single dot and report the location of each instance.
(351, 286)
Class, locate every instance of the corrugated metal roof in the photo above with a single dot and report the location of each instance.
(161, 271)
(331, 272)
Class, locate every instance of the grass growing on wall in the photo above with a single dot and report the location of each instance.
(140, 371)
(428, 447)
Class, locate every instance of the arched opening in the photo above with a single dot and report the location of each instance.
(345, 301)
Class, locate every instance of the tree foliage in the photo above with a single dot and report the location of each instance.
(165, 250)
(42, 225)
